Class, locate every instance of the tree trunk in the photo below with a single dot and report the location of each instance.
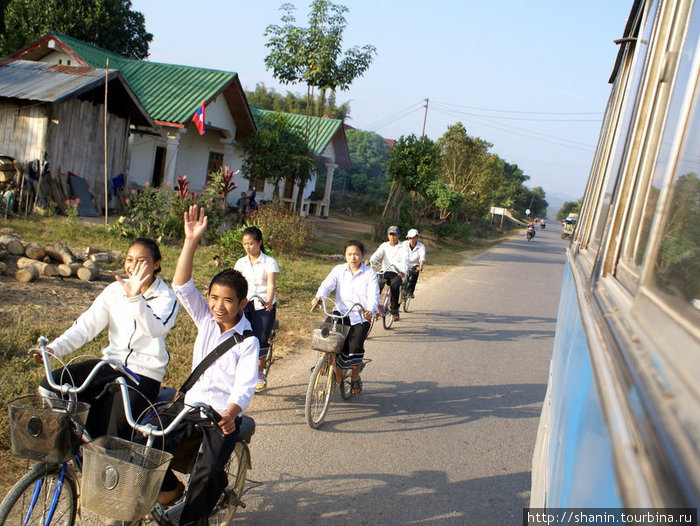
(60, 252)
(68, 269)
(14, 246)
(34, 251)
(45, 269)
(88, 273)
(27, 274)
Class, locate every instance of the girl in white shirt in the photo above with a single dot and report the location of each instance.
(139, 312)
(353, 282)
(260, 270)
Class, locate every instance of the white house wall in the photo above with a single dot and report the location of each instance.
(143, 151)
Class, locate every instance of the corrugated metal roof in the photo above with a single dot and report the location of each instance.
(169, 92)
(37, 81)
(322, 129)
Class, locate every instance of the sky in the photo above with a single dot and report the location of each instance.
(529, 77)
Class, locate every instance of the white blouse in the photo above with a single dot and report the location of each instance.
(362, 288)
(256, 275)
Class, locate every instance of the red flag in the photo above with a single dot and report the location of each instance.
(198, 119)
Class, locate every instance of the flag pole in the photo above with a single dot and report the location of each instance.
(104, 143)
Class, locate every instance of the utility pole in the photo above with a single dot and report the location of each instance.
(425, 117)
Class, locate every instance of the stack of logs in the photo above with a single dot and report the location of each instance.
(48, 260)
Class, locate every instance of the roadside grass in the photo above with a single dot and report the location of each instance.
(299, 279)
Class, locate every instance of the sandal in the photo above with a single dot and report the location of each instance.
(355, 386)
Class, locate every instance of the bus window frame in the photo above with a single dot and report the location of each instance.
(660, 101)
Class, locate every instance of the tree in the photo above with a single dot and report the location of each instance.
(569, 207)
(269, 99)
(110, 24)
(276, 153)
(369, 154)
(310, 54)
(468, 168)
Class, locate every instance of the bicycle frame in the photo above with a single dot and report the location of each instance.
(148, 430)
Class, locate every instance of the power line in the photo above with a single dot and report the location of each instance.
(440, 105)
(518, 111)
(530, 135)
(392, 117)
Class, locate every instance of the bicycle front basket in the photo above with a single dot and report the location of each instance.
(45, 428)
(121, 479)
(325, 339)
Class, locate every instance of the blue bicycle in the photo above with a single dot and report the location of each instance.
(120, 479)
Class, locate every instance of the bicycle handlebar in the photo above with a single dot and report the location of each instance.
(389, 269)
(148, 430)
(360, 309)
(257, 296)
(68, 389)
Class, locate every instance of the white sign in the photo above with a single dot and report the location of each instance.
(527, 212)
(497, 210)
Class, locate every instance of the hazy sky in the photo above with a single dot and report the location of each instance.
(530, 77)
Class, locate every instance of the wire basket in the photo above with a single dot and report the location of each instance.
(46, 429)
(121, 479)
(325, 339)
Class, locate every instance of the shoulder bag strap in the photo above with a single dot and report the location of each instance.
(210, 358)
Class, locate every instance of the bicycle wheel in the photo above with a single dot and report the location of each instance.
(29, 501)
(269, 357)
(387, 318)
(371, 325)
(237, 470)
(406, 300)
(344, 386)
(318, 394)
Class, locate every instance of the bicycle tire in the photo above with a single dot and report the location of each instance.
(237, 471)
(371, 325)
(406, 303)
(387, 321)
(344, 387)
(269, 356)
(386, 308)
(15, 507)
(318, 393)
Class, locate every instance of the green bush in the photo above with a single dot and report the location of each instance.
(282, 231)
(229, 247)
(158, 212)
(460, 231)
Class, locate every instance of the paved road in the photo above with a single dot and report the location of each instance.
(444, 430)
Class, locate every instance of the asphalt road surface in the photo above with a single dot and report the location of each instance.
(444, 430)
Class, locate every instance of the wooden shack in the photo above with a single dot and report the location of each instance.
(58, 112)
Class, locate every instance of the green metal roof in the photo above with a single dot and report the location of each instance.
(322, 129)
(168, 92)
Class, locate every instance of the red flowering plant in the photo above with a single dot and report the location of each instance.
(182, 184)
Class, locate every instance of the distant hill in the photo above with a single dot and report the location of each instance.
(556, 200)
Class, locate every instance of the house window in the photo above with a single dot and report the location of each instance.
(258, 183)
(216, 161)
(288, 190)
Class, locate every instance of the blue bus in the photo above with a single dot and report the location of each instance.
(620, 424)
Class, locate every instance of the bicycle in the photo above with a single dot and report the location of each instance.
(405, 299)
(384, 309)
(51, 430)
(328, 338)
(269, 357)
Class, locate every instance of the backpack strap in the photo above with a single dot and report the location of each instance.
(210, 358)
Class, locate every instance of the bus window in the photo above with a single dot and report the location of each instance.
(676, 272)
(640, 220)
(625, 127)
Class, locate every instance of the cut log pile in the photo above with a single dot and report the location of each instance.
(52, 260)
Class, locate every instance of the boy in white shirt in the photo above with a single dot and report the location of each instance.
(227, 385)
(392, 256)
(416, 259)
